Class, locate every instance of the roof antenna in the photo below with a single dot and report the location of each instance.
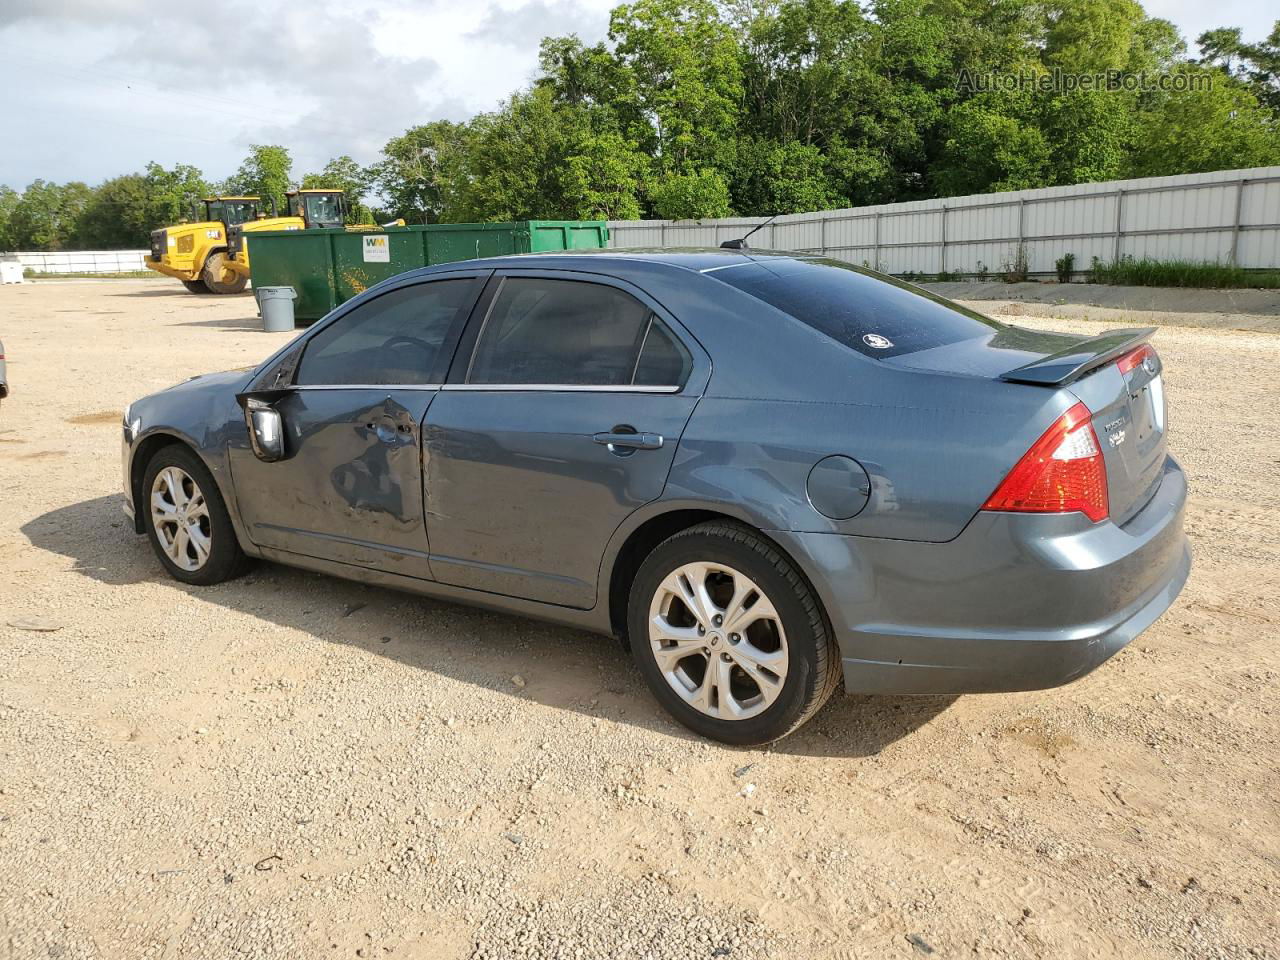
(741, 244)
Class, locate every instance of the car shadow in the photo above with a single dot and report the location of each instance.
(555, 666)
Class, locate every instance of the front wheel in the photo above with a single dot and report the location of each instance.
(219, 278)
(195, 286)
(187, 521)
(729, 636)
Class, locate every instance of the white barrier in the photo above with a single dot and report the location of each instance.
(1228, 216)
(83, 261)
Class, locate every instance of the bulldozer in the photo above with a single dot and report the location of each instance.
(210, 256)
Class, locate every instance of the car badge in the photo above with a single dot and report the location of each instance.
(877, 341)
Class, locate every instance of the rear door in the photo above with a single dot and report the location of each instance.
(561, 417)
(350, 487)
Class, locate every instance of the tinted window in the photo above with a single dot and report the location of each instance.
(663, 362)
(559, 332)
(875, 315)
(395, 338)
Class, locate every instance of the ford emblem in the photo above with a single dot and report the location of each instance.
(877, 341)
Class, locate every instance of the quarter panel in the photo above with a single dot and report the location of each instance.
(933, 452)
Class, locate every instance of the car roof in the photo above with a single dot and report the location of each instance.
(694, 259)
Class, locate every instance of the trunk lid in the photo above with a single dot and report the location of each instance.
(1128, 409)
(1127, 406)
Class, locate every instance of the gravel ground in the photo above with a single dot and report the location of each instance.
(294, 766)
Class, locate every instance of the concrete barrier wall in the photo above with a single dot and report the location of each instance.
(83, 261)
(1228, 216)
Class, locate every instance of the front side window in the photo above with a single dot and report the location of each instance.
(569, 333)
(397, 338)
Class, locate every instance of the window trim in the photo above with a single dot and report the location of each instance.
(699, 363)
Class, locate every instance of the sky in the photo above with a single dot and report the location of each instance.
(94, 88)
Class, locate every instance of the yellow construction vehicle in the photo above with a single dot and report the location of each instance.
(308, 210)
(196, 253)
(210, 256)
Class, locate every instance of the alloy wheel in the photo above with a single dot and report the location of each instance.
(180, 516)
(718, 641)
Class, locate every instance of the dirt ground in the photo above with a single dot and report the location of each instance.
(294, 766)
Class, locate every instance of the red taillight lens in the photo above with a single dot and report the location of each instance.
(1062, 472)
(1135, 357)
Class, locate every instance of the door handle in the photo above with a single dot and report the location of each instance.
(630, 441)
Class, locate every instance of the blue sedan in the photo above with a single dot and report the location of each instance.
(766, 473)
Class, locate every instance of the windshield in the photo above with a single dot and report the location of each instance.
(869, 312)
(231, 212)
(323, 208)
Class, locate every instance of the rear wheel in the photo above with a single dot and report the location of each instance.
(217, 278)
(195, 286)
(187, 520)
(729, 636)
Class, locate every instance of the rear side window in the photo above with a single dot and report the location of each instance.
(663, 361)
(397, 338)
(873, 314)
(564, 332)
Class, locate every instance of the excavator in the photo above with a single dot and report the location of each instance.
(210, 256)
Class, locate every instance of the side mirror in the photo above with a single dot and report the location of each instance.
(266, 430)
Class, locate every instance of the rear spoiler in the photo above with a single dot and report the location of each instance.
(1065, 366)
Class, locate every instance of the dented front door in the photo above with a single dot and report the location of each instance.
(352, 491)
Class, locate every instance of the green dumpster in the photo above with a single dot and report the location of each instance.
(330, 266)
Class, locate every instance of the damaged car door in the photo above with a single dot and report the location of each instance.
(347, 485)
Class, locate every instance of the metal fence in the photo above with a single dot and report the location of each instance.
(1228, 216)
(83, 261)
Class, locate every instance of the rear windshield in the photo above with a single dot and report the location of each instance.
(874, 314)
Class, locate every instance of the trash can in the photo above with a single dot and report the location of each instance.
(276, 304)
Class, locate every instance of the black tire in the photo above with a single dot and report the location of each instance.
(213, 275)
(226, 560)
(195, 286)
(813, 660)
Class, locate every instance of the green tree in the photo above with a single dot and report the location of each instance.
(9, 198)
(1219, 128)
(117, 214)
(172, 195)
(418, 169)
(1090, 133)
(266, 173)
(47, 215)
(1256, 64)
(687, 74)
(992, 143)
(601, 179)
(1089, 36)
(772, 178)
(699, 195)
(121, 212)
(508, 171)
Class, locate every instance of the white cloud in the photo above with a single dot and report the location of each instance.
(97, 88)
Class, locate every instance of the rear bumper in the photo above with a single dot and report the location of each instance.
(1016, 602)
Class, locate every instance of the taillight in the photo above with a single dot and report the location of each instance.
(1063, 472)
(1135, 357)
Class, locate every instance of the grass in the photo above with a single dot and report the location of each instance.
(1181, 273)
(120, 275)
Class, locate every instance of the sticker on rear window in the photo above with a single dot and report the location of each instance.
(877, 341)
